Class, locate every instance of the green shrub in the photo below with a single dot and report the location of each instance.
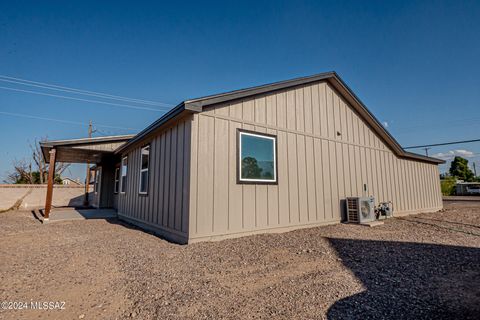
(448, 186)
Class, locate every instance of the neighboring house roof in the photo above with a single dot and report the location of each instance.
(71, 180)
(198, 105)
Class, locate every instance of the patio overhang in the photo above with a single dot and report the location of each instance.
(87, 150)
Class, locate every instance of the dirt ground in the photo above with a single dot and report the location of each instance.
(424, 266)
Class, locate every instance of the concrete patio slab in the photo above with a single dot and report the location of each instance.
(66, 214)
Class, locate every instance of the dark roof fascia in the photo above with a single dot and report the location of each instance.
(56, 143)
(196, 105)
(370, 115)
(180, 108)
(334, 79)
(45, 146)
(388, 137)
(419, 157)
(199, 103)
(391, 141)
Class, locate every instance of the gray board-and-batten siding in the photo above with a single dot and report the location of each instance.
(327, 151)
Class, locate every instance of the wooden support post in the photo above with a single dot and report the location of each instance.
(87, 179)
(87, 184)
(51, 179)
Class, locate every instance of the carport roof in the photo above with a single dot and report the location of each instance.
(83, 150)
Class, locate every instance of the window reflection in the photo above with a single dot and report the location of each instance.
(257, 155)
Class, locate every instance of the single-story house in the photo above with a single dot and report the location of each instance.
(69, 181)
(270, 158)
(463, 188)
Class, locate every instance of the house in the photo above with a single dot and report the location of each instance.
(463, 188)
(71, 182)
(270, 158)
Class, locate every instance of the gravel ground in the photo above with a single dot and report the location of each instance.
(425, 266)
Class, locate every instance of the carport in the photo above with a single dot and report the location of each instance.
(87, 150)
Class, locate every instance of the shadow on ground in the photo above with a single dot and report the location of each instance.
(409, 280)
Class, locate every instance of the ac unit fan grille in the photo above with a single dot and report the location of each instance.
(365, 209)
(352, 205)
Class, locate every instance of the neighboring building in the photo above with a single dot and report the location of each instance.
(69, 182)
(266, 159)
(467, 188)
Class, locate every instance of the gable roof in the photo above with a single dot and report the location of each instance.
(198, 105)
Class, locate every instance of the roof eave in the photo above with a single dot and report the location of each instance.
(53, 143)
(424, 158)
(46, 146)
(174, 112)
(333, 78)
(197, 105)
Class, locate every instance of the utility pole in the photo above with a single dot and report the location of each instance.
(87, 180)
(426, 150)
(474, 170)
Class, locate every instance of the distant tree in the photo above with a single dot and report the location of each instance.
(445, 175)
(42, 166)
(23, 173)
(37, 157)
(250, 168)
(459, 168)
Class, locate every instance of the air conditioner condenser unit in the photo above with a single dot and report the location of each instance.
(360, 209)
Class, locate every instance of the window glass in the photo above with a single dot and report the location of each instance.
(145, 154)
(257, 157)
(143, 181)
(95, 182)
(123, 181)
(98, 176)
(117, 180)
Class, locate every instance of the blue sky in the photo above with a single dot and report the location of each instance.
(414, 64)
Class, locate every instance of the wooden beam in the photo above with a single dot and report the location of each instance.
(51, 179)
(87, 184)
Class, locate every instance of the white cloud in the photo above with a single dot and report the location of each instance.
(449, 155)
(385, 124)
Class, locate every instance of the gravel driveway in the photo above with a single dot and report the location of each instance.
(425, 266)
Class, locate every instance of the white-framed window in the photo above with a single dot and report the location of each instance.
(98, 176)
(257, 158)
(144, 162)
(116, 183)
(123, 171)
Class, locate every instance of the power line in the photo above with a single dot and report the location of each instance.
(434, 127)
(86, 100)
(442, 144)
(79, 91)
(442, 125)
(64, 121)
(105, 133)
